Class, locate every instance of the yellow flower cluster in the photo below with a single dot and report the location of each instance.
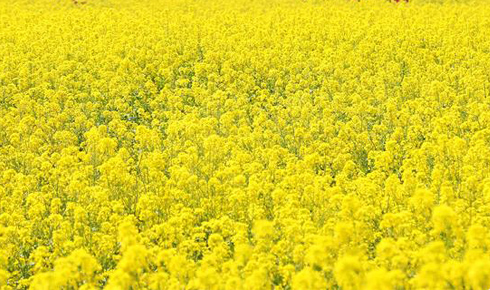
(266, 144)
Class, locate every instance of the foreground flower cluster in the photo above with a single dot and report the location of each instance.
(244, 145)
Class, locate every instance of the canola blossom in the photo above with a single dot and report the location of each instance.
(233, 144)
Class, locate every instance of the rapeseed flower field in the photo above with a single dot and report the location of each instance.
(232, 144)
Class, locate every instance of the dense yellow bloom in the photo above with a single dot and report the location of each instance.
(233, 144)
